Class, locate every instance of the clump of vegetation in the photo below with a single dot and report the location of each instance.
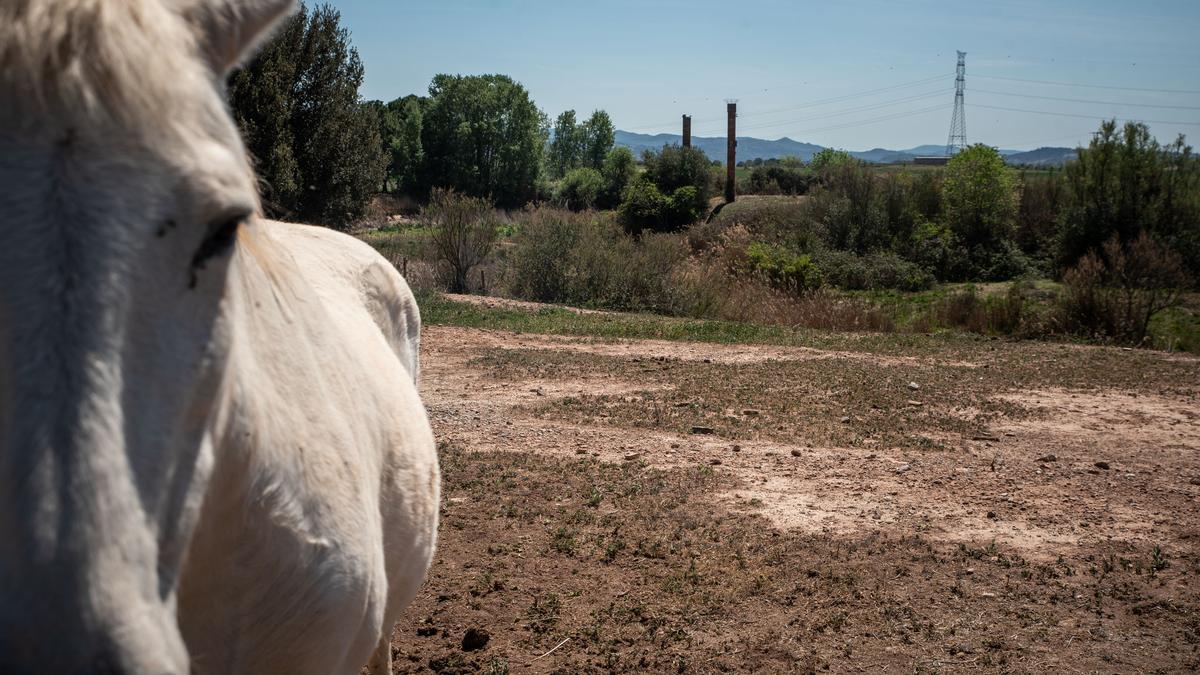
(875, 271)
(1125, 183)
(579, 145)
(786, 176)
(783, 269)
(581, 189)
(1116, 292)
(464, 232)
(671, 193)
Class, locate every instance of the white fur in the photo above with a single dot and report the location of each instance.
(215, 470)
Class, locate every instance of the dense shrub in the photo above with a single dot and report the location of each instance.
(672, 192)
(980, 199)
(783, 269)
(581, 189)
(644, 207)
(587, 260)
(647, 209)
(875, 271)
(1115, 293)
(618, 170)
(686, 206)
(1011, 313)
(674, 167)
(779, 180)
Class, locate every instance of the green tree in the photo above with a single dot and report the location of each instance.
(675, 167)
(400, 128)
(482, 135)
(388, 123)
(581, 188)
(297, 103)
(598, 138)
(980, 195)
(644, 207)
(1125, 183)
(827, 158)
(567, 146)
(618, 170)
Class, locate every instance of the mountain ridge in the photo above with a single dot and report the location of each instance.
(758, 148)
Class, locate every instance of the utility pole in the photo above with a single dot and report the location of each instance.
(731, 150)
(958, 122)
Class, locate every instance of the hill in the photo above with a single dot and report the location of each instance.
(759, 148)
(714, 147)
(1042, 157)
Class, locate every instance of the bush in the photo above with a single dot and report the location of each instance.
(1012, 313)
(671, 193)
(778, 180)
(581, 189)
(685, 207)
(1115, 294)
(876, 271)
(675, 167)
(783, 269)
(539, 268)
(587, 260)
(618, 171)
(644, 208)
(464, 233)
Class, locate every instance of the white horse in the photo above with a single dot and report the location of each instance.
(213, 457)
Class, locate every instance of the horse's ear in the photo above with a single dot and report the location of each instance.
(228, 31)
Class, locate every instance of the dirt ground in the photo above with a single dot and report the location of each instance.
(687, 507)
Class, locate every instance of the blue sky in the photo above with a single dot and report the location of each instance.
(646, 63)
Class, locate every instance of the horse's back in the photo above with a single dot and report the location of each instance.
(351, 271)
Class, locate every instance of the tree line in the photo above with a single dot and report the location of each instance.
(323, 153)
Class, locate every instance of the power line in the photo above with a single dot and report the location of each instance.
(1090, 86)
(884, 118)
(1081, 100)
(839, 99)
(847, 111)
(1090, 117)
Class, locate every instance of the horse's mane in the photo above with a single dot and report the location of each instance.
(93, 61)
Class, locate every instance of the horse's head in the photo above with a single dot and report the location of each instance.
(123, 187)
